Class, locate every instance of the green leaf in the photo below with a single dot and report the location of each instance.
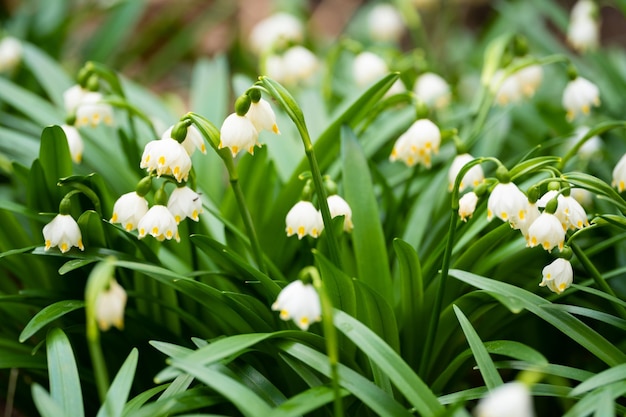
(49, 314)
(603, 378)
(54, 155)
(485, 365)
(532, 165)
(120, 388)
(595, 185)
(209, 94)
(410, 285)
(33, 106)
(46, 405)
(339, 285)
(306, 401)
(65, 387)
(48, 73)
(92, 231)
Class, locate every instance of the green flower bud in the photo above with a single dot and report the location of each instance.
(503, 175)
(533, 194)
(552, 205)
(554, 186)
(179, 131)
(254, 94)
(242, 105)
(93, 83)
(330, 186)
(144, 186)
(65, 206)
(566, 253)
(481, 189)
(160, 197)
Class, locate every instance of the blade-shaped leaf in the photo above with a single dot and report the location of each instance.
(49, 314)
(120, 387)
(65, 387)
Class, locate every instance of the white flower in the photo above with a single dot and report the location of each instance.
(194, 139)
(590, 148)
(546, 231)
(583, 196)
(167, 157)
(529, 78)
(262, 116)
(129, 209)
(73, 96)
(63, 231)
(557, 276)
(299, 302)
(507, 88)
(10, 53)
(91, 110)
(578, 97)
(367, 68)
(576, 215)
(583, 9)
(160, 223)
(619, 174)
(238, 133)
(562, 211)
(467, 205)
(385, 23)
(275, 68)
(433, 90)
(417, 144)
(508, 203)
(532, 213)
(304, 219)
(583, 32)
(509, 400)
(110, 306)
(339, 207)
(299, 65)
(184, 202)
(472, 178)
(74, 142)
(275, 31)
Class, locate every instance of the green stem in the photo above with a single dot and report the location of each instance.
(97, 359)
(597, 277)
(598, 130)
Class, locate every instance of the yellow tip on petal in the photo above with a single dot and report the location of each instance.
(63, 247)
(284, 314)
(169, 234)
(155, 231)
(161, 160)
(301, 231)
(275, 129)
(128, 226)
(48, 244)
(177, 218)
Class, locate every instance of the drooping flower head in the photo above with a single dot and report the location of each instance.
(300, 302)
(339, 207)
(193, 139)
(583, 32)
(546, 231)
(160, 223)
(166, 157)
(385, 23)
(367, 68)
(299, 65)
(433, 90)
(509, 400)
(110, 305)
(472, 178)
(579, 96)
(184, 202)
(276, 31)
(304, 219)
(507, 88)
(63, 231)
(619, 174)
(129, 209)
(91, 110)
(558, 275)
(417, 144)
(262, 116)
(74, 142)
(508, 203)
(529, 78)
(467, 205)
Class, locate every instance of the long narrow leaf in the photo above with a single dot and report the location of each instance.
(49, 314)
(120, 387)
(65, 387)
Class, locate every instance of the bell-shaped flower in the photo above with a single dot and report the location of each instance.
(467, 205)
(417, 144)
(129, 209)
(583, 32)
(508, 203)
(238, 133)
(619, 174)
(72, 97)
(529, 78)
(160, 223)
(262, 116)
(63, 231)
(74, 142)
(299, 65)
(592, 146)
(472, 178)
(339, 207)
(557, 276)
(562, 211)
(110, 305)
(433, 90)
(512, 399)
(546, 231)
(507, 88)
(578, 97)
(532, 213)
(583, 196)
(91, 111)
(276, 31)
(194, 139)
(166, 157)
(184, 202)
(385, 23)
(368, 67)
(304, 219)
(10, 53)
(299, 302)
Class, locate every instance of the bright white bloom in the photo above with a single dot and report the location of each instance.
(472, 178)
(512, 399)
(532, 213)
(299, 65)
(562, 211)
(583, 32)
(262, 116)
(557, 276)
(467, 205)
(619, 174)
(63, 231)
(160, 223)
(129, 209)
(110, 306)
(73, 96)
(578, 97)
(184, 202)
(367, 68)
(569, 211)
(10, 53)
(299, 302)
(304, 219)
(583, 9)
(417, 144)
(276, 31)
(238, 133)
(339, 207)
(385, 23)
(508, 203)
(590, 148)
(529, 78)
(508, 88)
(74, 142)
(194, 139)
(433, 90)
(91, 111)
(167, 157)
(546, 231)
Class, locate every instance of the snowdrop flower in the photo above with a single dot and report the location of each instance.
(509, 400)
(619, 174)
(385, 23)
(558, 275)
(238, 133)
(160, 223)
(467, 205)
(583, 32)
(276, 31)
(262, 116)
(578, 97)
(532, 213)
(529, 78)
(274, 67)
(472, 178)
(10, 53)
(304, 219)
(91, 111)
(184, 202)
(507, 88)
(129, 209)
(546, 231)
(561, 211)
(570, 213)
(508, 203)
(74, 142)
(339, 207)
(194, 139)
(299, 65)
(72, 97)
(368, 67)
(110, 305)
(166, 157)
(417, 144)
(63, 231)
(433, 90)
(300, 302)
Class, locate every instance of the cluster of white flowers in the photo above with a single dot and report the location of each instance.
(297, 65)
(514, 87)
(304, 219)
(583, 32)
(276, 32)
(417, 144)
